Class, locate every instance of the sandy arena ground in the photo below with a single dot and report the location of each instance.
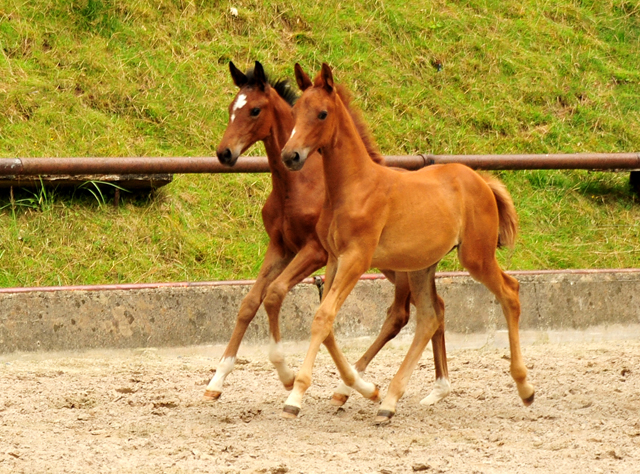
(141, 411)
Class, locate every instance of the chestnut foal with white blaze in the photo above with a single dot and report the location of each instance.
(401, 221)
(261, 111)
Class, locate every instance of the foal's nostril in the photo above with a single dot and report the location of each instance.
(224, 156)
(292, 159)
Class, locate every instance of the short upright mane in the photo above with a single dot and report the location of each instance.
(363, 130)
(281, 86)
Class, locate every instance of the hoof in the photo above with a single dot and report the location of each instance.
(529, 401)
(339, 399)
(376, 395)
(211, 395)
(384, 417)
(290, 412)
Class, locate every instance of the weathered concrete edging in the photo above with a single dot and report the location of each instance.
(185, 315)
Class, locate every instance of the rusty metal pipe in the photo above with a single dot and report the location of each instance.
(588, 161)
(135, 165)
(259, 164)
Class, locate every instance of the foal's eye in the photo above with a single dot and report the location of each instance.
(322, 115)
(255, 112)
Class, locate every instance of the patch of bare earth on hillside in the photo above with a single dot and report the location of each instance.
(141, 411)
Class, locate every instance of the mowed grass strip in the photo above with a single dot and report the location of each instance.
(150, 78)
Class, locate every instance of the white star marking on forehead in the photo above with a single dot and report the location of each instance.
(241, 101)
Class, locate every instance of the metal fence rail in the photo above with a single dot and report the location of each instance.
(259, 164)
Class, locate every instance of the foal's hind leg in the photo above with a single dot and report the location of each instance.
(397, 318)
(275, 260)
(442, 386)
(505, 288)
(423, 288)
(310, 258)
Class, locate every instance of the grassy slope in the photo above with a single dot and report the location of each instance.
(150, 78)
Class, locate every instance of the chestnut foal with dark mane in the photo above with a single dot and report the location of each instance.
(261, 111)
(379, 217)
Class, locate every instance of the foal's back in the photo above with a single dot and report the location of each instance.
(429, 212)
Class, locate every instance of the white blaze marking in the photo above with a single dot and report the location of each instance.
(225, 366)
(293, 132)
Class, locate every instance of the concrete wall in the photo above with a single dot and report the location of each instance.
(175, 316)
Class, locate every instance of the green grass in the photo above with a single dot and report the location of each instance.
(150, 78)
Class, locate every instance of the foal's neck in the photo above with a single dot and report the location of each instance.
(345, 159)
(280, 132)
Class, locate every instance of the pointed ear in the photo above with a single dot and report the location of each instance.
(327, 77)
(239, 78)
(301, 78)
(260, 76)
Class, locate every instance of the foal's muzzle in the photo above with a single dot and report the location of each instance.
(226, 157)
(293, 160)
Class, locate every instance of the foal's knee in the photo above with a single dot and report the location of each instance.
(248, 309)
(322, 323)
(276, 293)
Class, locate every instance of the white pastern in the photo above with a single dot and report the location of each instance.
(294, 399)
(276, 356)
(441, 389)
(225, 366)
(366, 389)
(344, 389)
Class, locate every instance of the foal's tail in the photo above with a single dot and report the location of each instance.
(508, 227)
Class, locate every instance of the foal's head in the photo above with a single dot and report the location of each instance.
(316, 119)
(251, 114)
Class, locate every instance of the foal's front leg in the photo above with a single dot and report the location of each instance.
(275, 260)
(346, 277)
(310, 258)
